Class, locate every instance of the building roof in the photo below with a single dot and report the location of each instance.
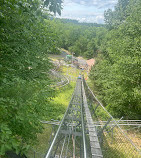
(90, 62)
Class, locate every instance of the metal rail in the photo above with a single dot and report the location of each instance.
(94, 142)
(64, 80)
(71, 126)
(77, 131)
(112, 135)
(101, 123)
(56, 135)
(83, 129)
(72, 130)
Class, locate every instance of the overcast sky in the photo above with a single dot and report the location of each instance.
(86, 10)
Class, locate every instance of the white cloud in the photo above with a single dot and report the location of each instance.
(82, 2)
(99, 19)
(89, 19)
(86, 10)
(92, 2)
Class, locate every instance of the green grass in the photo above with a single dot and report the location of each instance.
(73, 72)
(55, 110)
(59, 104)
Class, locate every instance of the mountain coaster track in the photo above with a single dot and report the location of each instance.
(73, 136)
(79, 137)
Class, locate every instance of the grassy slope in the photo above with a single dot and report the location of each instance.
(58, 105)
(56, 110)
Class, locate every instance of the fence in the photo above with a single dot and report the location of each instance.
(113, 140)
(59, 79)
(44, 139)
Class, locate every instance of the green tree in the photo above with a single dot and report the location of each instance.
(25, 40)
(117, 73)
(80, 46)
(91, 49)
(118, 16)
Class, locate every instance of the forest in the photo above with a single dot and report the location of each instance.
(29, 32)
(116, 76)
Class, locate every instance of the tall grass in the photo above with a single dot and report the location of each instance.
(56, 110)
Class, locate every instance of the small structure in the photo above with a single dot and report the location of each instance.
(90, 63)
(68, 57)
(82, 63)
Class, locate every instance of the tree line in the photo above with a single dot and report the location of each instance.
(116, 76)
(28, 33)
(26, 39)
(80, 38)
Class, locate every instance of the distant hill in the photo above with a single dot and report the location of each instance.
(78, 23)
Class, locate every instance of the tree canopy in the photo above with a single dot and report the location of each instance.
(83, 40)
(117, 49)
(28, 33)
(25, 40)
(117, 73)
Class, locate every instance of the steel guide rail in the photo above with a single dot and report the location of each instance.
(71, 128)
(54, 140)
(97, 123)
(114, 122)
(70, 138)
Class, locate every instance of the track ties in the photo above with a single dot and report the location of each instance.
(94, 143)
